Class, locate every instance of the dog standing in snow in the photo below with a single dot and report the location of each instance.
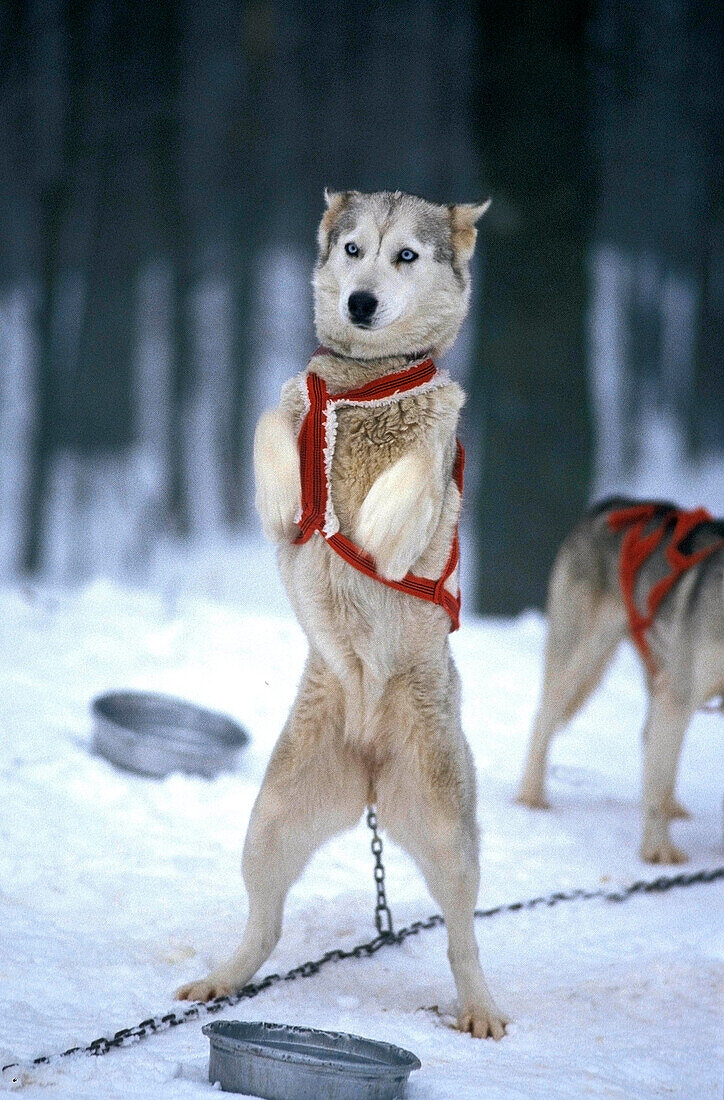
(358, 478)
(657, 573)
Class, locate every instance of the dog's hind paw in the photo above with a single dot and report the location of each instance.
(482, 1022)
(664, 852)
(207, 989)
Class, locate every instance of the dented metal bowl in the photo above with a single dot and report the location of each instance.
(154, 734)
(279, 1062)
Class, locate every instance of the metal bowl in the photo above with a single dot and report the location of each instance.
(155, 735)
(279, 1062)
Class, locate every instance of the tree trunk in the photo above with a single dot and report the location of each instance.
(530, 380)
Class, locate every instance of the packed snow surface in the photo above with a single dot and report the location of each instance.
(115, 889)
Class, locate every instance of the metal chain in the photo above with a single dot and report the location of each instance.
(154, 1024)
(383, 916)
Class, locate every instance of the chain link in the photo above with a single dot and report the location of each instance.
(383, 916)
(128, 1035)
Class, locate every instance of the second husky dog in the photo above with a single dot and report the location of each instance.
(623, 553)
(377, 714)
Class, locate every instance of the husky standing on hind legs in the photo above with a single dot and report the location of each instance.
(653, 571)
(358, 479)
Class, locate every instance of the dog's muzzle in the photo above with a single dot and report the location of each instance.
(361, 306)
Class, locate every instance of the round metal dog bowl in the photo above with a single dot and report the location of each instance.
(155, 735)
(279, 1062)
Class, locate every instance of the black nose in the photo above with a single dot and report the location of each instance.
(361, 306)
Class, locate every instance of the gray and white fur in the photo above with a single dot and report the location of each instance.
(587, 620)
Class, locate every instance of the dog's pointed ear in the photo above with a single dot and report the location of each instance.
(332, 198)
(336, 202)
(472, 212)
(463, 217)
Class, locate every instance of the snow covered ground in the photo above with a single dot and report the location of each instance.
(115, 889)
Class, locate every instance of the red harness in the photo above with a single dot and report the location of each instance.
(316, 447)
(637, 547)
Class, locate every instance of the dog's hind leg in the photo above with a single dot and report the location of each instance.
(674, 809)
(666, 725)
(310, 792)
(426, 802)
(584, 630)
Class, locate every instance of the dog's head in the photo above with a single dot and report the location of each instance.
(393, 273)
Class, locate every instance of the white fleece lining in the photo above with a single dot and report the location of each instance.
(307, 406)
(441, 378)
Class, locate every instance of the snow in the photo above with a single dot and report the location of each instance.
(116, 889)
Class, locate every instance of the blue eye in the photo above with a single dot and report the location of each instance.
(407, 256)
(351, 248)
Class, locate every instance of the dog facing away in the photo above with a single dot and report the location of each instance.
(377, 713)
(683, 649)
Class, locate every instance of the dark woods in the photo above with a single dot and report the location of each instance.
(160, 184)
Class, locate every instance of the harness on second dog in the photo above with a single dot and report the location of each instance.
(638, 546)
(316, 450)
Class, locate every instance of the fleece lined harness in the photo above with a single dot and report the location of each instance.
(638, 546)
(316, 449)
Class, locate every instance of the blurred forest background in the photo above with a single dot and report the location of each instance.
(161, 174)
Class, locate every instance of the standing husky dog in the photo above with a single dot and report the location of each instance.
(623, 556)
(377, 714)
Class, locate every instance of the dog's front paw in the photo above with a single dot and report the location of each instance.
(531, 794)
(207, 989)
(397, 517)
(276, 469)
(482, 1021)
(278, 505)
(534, 800)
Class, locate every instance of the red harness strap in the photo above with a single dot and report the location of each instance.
(315, 457)
(637, 547)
